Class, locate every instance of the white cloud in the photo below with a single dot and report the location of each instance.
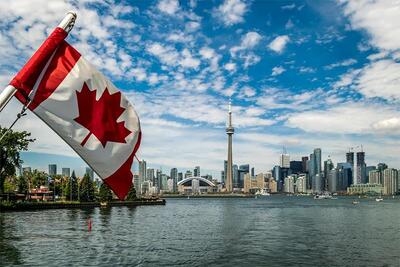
(167, 55)
(248, 41)
(247, 91)
(207, 53)
(188, 61)
(231, 12)
(289, 7)
(380, 79)
(289, 24)
(391, 125)
(169, 7)
(277, 70)
(344, 63)
(347, 118)
(230, 66)
(279, 43)
(380, 18)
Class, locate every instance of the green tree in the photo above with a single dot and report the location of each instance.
(105, 193)
(22, 185)
(86, 189)
(71, 188)
(39, 178)
(131, 194)
(10, 146)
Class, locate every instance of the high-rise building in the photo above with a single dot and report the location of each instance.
(180, 176)
(150, 175)
(66, 172)
(284, 160)
(314, 170)
(26, 170)
(361, 168)
(52, 169)
(345, 176)
(333, 180)
(136, 183)
(289, 184)
(390, 181)
(236, 179)
(374, 177)
(188, 174)
(196, 171)
(89, 172)
(301, 184)
(252, 172)
(164, 182)
(304, 164)
(243, 170)
(350, 160)
(296, 166)
(318, 161)
(157, 180)
(174, 178)
(223, 173)
(142, 173)
(229, 131)
(328, 165)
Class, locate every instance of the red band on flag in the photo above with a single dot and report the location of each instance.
(61, 64)
(26, 78)
(121, 180)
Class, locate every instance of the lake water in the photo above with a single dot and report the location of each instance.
(274, 231)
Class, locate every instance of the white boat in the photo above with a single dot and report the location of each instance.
(323, 196)
(262, 193)
(378, 199)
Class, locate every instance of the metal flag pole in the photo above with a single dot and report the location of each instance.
(66, 24)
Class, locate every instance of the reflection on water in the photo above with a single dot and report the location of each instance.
(276, 231)
(9, 254)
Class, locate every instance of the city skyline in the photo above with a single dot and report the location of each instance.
(300, 74)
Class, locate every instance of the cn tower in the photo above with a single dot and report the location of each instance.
(229, 131)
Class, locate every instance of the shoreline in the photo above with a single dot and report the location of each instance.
(29, 206)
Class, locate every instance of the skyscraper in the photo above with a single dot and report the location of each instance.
(284, 160)
(390, 181)
(174, 177)
(304, 164)
(52, 169)
(229, 131)
(196, 172)
(66, 172)
(361, 168)
(142, 174)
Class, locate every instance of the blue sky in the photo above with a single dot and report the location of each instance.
(301, 74)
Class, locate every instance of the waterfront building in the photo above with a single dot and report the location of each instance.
(390, 181)
(196, 171)
(317, 183)
(229, 131)
(260, 181)
(374, 177)
(356, 189)
(196, 185)
(276, 173)
(345, 175)
(301, 184)
(236, 176)
(150, 175)
(52, 169)
(250, 184)
(243, 169)
(145, 187)
(164, 184)
(174, 177)
(66, 172)
(361, 177)
(273, 186)
(328, 165)
(333, 180)
(157, 180)
(90, 173)
(136, 184)
(350, 160)
(170, 185)
(289, 184)
(142, 173)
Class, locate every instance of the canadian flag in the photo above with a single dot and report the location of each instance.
(83, 107)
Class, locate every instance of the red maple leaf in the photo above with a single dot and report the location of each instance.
(100, 116)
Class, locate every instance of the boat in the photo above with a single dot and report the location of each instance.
(355, 202)
(262, 193)
(325, 195)
(378, 199)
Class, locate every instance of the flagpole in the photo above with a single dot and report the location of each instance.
(66, 24)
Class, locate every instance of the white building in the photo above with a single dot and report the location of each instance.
(284, 161)
(289, 184)
(390, 181)
(301, 184)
